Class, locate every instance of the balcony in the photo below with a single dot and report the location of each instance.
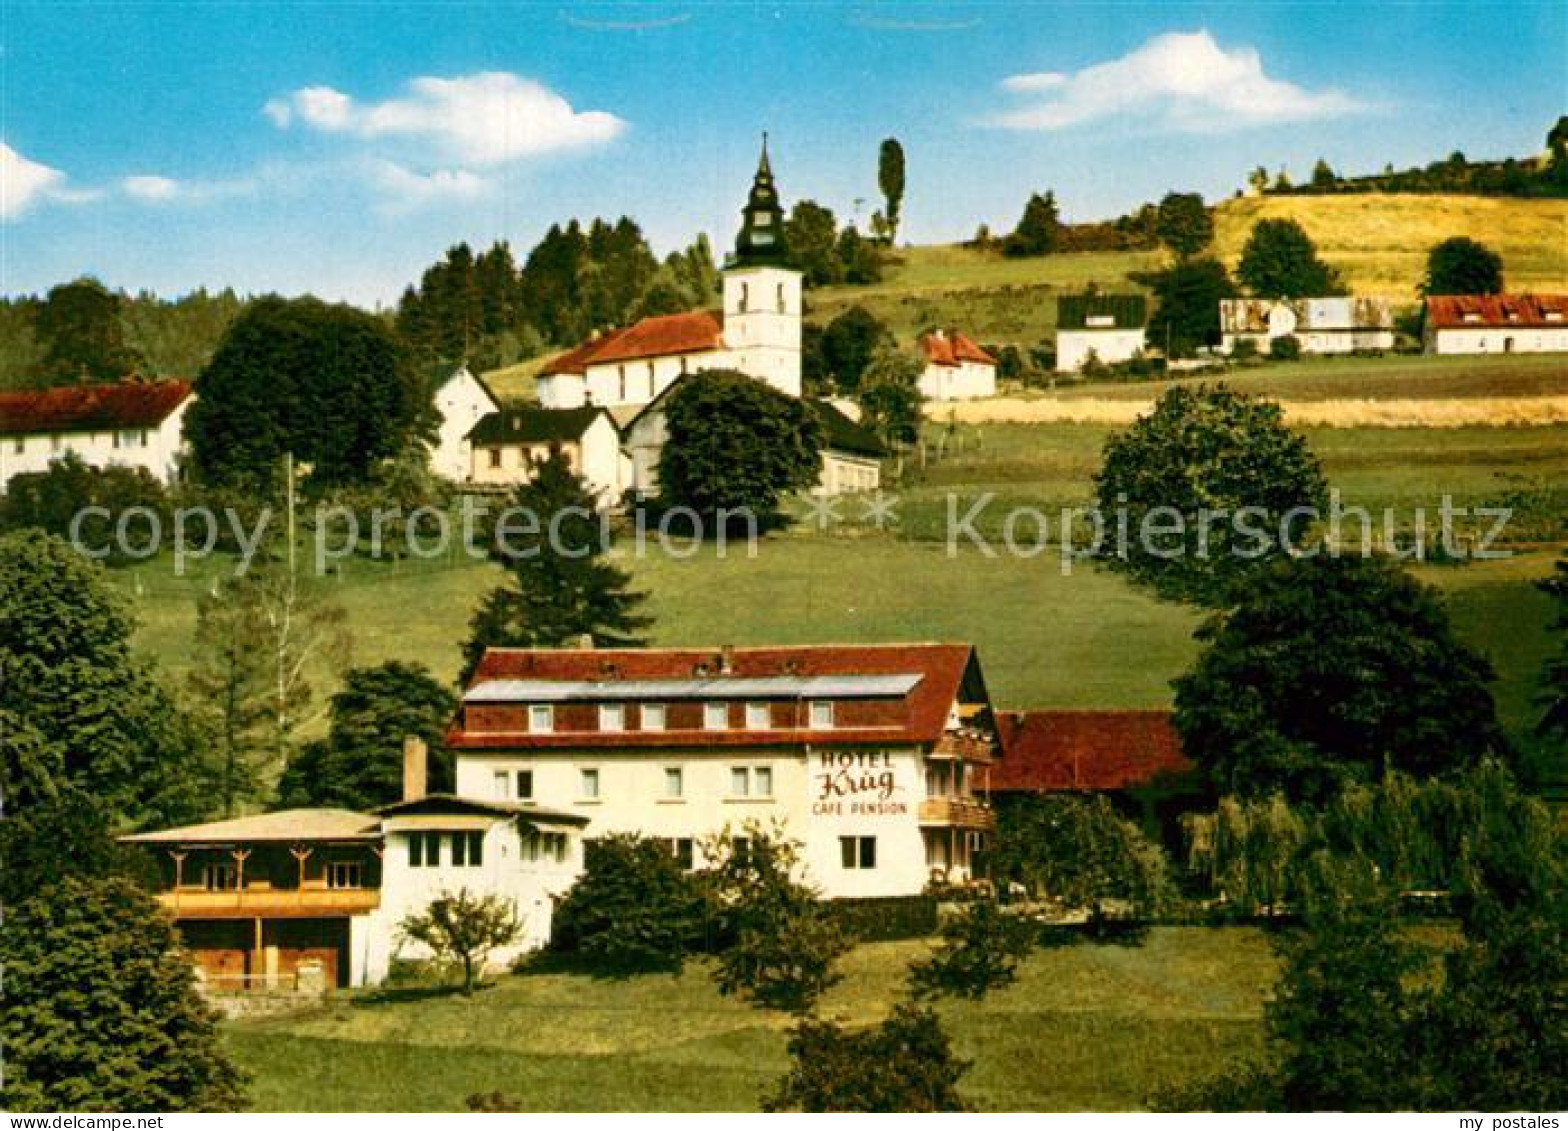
(959, 747)
(271, 903)
(957, 813)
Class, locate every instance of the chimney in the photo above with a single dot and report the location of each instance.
(415, 758)
(727, 659)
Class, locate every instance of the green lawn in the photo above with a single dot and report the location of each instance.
(1085, 1027)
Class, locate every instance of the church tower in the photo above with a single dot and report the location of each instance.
(762, 293)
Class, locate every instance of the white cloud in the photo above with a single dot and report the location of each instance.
(23, 183)
(408, 189)
(151, 188)
(1180, 82)
(484, 119)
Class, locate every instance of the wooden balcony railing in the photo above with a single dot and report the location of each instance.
(956, 812)
(281, 902)
(968, 748)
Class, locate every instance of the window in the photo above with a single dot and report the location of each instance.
(781, 298)
(555, 847)
(495, 457)
(20, 445)
(821, 716)
(590, 785)
(740, 782)
(759, 716)
(684, 852)
(612, 716)
(525, 785)
(751, 781)
(54, 443)
(541, 718)
(424, 850)
(715, 716)
(500, 780)
(220, 877)
(653, 716)
(858, 852)
(468, 850)
(621, 376)
(762, 781)
(345, 874)
(745, 297)
(674, 782)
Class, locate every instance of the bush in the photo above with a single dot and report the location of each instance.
(50, 500)
(886, 918)
(905, 1064)
(1286, 348)
(1244, 349)
(980, 951)
(781, 943)
(633, 908)
(1079, 850)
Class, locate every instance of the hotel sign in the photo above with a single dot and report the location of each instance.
(857, 784)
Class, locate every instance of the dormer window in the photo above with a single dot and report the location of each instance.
(612, 717)
(821, 715)
(759, 716)
(541, 718)
(653, 716)
(715, 716)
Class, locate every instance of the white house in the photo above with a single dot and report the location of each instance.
(875, 757)
(1108, 327)
(506, 446)
(1496, 324)
(956, 368)
(131, 424)
(757, 331)
(257, 899)
(1335, 324)
(462, 401)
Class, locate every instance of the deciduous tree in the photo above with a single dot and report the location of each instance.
(1463, 266)
(1187, 310)
(80, 329)
(1280, 261)
(464, 928)
(1183, 223)
(633, 908)
(904, 1064)
(890, 179)
(1038, 228)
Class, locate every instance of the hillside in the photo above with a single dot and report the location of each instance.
(1380, 242)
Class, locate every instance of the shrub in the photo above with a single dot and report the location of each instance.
(781, 943)
(1079, 850)
(1244, 349)
(884, 918)
(905, 1064)
(980, 951)
(1286, 348)
(633, 908)
(462, 929)
(50, 500)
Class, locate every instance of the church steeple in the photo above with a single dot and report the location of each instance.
(761, 239)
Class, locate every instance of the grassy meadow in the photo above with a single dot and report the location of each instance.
(1084, 1028)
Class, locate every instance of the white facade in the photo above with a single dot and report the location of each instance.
(595, 454)
(1110, 344)
(844, 473)
(1329, 325)
(962, 381)
(762, 315)
(1497, 339)
(462, 401)
(159, 449)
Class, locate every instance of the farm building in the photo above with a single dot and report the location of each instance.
(507, 445)
(1340, 324)
(462, 401)
(1108, 327)
(956, 368)
(1133, 757)
(757, 332)
(258, 898)
(131, 424)
(1496, 324)
(876, 757)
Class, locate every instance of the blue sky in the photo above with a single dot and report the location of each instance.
(339, 147)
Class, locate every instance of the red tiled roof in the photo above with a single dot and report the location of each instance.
(942, 668)
(1458, 312)
(663, 336)
(91, 408)
(951, 348)
(1092, 750)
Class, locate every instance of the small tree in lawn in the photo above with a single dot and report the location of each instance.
(904, 1064)
(736, 445)
(1463, 266)
(1204, 449)
(890, 399)
(1280, 261)
(980, 951)
(464, 928)
(561, 587)
(633, 909)
(782, 944)
(1187, 310)
(850, 343)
